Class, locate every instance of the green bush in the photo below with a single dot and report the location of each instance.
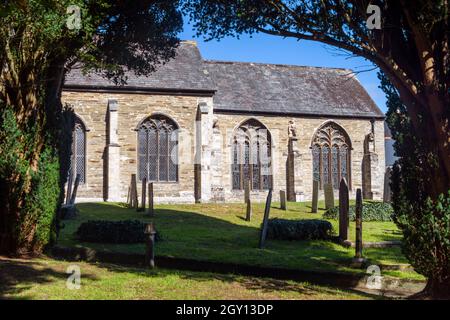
(30, 192)
(372, 211)
(282, 229)
(127, 231)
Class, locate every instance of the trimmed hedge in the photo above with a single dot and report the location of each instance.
(102, 231)
(372, 211)
(282, 229)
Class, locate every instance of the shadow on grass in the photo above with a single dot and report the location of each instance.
(18, 276)
(217, 234)
(261, 284)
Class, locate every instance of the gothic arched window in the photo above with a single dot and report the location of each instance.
(331, 155)
(251, 156)
(158, 150)
(78, 151)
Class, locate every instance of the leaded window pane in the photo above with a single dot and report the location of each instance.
(236, 167)
(254, 164)
(163, 155)
(246, 164)
(173, 162)
(335, 166)
(77, 164)
(330, 154)
(142, 153)
(158, 150)
(344, 163)
(325, 164)
(316, 163)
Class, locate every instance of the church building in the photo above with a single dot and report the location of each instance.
(203, 130)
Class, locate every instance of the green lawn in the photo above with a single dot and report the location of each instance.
(218, 232)
(46, 279)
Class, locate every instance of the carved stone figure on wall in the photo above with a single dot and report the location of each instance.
(292, 130)
(371, 142)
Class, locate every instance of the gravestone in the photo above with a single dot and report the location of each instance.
(134, 194)
(151, 210)
(263, 234)
(150, 233)
(75, 189)
(144, 194)
(329, 196)
(315, 196)
(358, 260)
(248, 214)
(69, 189)
(283, 200)
(387, 185)
(343, 210)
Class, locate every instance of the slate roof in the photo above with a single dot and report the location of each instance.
(285, 89)
(185, 72)
(253, 88)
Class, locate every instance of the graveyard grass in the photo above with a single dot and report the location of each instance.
(219, 233)
(45, 279)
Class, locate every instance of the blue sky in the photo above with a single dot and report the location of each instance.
(272, 49)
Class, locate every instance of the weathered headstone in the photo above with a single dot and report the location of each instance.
(358, 259)
(75, 189)
(315, 196)
(144, 194)
(248, 201)
(329, 196)
(69, 189)
(263, 234)
(134, 194)
(387, 185)
(150, 233)
(129, 197)
(151, 210)
(343, 210)
(283, 200)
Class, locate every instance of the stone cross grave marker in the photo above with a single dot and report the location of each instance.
(343, 210)
(151, 210)
(283, 200)
(329, 196)
(248, 201)
(315, 196)
(144, 194)
(263, 234)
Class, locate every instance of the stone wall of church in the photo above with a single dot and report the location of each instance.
(92, 108)
(208, 135)
(357, 129)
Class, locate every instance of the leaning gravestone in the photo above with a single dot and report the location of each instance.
(329, 196)
(283, 200)
(248, 202)
(343, 210)
(315, 196)
(75, 189)
(69, 189)
(263, 234)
